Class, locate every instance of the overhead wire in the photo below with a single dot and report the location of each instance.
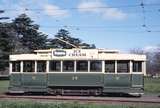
(108, 29)
(75, 8)
(142, 5)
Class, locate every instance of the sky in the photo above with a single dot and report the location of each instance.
(112, 24)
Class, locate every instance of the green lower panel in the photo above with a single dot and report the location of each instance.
(122, 90)
(137, 80)
(75, 79)
(15, 79)
(117, 80)
(35, 80)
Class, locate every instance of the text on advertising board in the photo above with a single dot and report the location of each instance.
(77, 53)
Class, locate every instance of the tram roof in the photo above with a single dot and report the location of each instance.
(99, 50)
(77, 54)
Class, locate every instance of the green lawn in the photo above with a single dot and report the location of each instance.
(31, 104)
(150, 85)
(4, 85)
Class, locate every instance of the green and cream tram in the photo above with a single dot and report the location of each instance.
(77, 71)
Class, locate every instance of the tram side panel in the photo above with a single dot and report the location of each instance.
(34, 82)
(15, 83)
(117, 83)
(75, 80)
(20, 83)
(117, 80)
(123, 83)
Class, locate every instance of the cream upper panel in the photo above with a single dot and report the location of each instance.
(28, 57)
(122, 57)
(58, 54)
(77, 54)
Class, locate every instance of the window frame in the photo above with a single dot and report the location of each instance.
(31, 64)
(95, 71)
(44, 67)
(128, 67)
(141, 66)
(68, 71)
(55, 71)
(85, 67)
(14, 68)
(110, 72)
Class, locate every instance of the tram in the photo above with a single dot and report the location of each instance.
(77, 71)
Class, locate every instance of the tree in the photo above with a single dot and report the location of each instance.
(28, 33)
(6, 44)
(137, 51)
(65, 41)
(157, 61)
(19, 36)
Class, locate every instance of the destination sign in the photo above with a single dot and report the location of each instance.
(59, 53)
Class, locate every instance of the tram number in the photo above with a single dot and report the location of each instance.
(33, 77)
(117, 78)
(74, 78)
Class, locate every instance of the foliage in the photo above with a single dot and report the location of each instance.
(28, 33)
(65, 41)
(6, 43)
(19, 36)
(137, 51)
(157, 62)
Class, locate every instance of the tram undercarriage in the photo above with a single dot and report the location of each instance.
(79, 91)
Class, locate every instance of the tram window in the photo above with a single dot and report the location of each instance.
(55, 66)
(110, 66)
(82, 66)
(41, 66)
(123, 66)
(137, 66)
(28, 66)
(96, 66)
(16, 66)
(68, 66)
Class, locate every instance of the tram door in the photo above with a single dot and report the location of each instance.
(120, 78)
(137, 74)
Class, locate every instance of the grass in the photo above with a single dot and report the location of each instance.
(29, 104)
(151, 85)
(4, 85)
